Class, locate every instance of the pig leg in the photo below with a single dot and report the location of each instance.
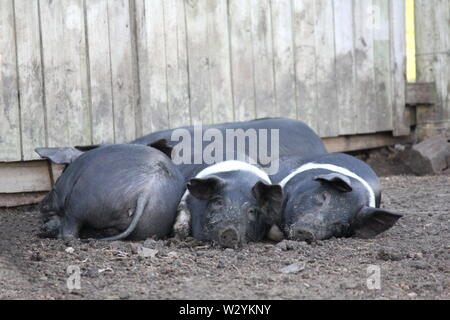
(70, 228)
(182, 226)
(50, 229)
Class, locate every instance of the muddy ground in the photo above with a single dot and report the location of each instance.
(413, 258)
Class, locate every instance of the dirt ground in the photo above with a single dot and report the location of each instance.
(412, 257)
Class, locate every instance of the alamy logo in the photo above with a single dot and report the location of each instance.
(210, 146)
(373, 277)
(74, 280)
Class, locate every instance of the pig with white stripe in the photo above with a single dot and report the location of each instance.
(330, 195)
(229, 203)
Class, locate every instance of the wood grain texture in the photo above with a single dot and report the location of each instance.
(65, 73)
(327, 110)
(10, 144)
(239, 15)
(97, 27)
(305, 61)
(82, 72)
(177, 63)
(263, 59)
(31, 86)
(398, 68)
(283, 58)
(345, 66)
(365, 101)
(382, 76)
(219, 61)
(122, 70)
(198, 52)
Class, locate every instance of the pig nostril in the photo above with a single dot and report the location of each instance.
(229, 238)
(303, 235)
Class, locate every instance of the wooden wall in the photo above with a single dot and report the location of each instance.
(80, 72)
(432, 30)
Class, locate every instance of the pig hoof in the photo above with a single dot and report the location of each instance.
(182, 226)
(49, 229)
(275, 234)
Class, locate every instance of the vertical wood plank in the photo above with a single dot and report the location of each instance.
(10, 148)
(31, 87)
(305, 61)
(239, 15)
(198, 48)
(157, 110)
(219, 61)
(143, 103)
(176, 59)
(65, 73)
(365, 83)
(345, 65)
(263, 59)
(283, 57)
(442, 17)
(433, 62)
(327, 112)
(100, 71)
(123, 82)
(383, 119)
(398, 67)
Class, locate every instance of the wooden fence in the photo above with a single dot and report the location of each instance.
(433, 62)
(77, 72)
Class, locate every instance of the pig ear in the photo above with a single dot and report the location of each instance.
(369, 221)
(336, 180)
(205, 188)
(270, 198)
(162, 146)
(59, 155)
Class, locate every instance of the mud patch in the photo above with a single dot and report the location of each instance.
(412, 256)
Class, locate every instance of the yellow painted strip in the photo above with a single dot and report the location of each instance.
(410, 42)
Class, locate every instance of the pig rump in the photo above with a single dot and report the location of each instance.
(131, 189)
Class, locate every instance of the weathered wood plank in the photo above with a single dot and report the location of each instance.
(442, 17)
(10, 145)
(157, 109)
(326, 112)
(21, 199)
(263, 59)
(31, 87)
(383, 116)
(143, 122)
(239, 15)
(100, 71)
(423, 93)
(219, 61)
(176, 59)
(65, 72)
(283, 58)
(345, 65)
(365, 100)
(29, 176)
(398, 68)
(432, 61)
(305, 61)
(122, 68)
(363, 141)
(198, 52)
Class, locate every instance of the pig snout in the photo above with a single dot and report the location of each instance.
(303, 234)
(229, 238)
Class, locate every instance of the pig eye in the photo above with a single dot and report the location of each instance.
(323, 198)
(218, 202)
(251, 213)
